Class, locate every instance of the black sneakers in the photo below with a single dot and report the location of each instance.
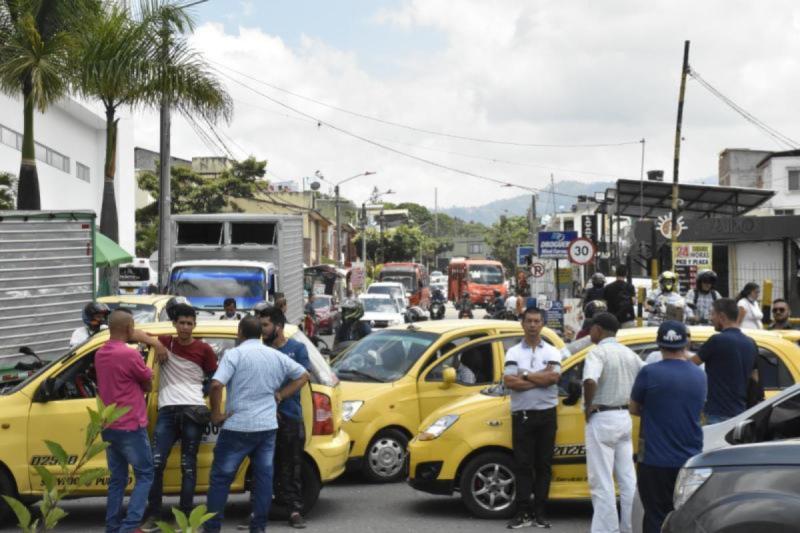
(541, 521)
(520, 521)
(296, 521)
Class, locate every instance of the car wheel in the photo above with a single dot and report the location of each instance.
(385, 457)
(7, 488)
(311, 489)
(488, 485)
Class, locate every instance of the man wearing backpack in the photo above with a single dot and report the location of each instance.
(620, 297)
(700, 299)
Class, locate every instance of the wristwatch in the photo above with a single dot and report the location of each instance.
(525, 375)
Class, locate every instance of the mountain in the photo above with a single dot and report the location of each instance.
(519, 205)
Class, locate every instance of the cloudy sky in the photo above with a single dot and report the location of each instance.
(516, 72)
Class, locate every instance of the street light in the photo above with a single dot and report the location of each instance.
(338, 223)
(532, 222)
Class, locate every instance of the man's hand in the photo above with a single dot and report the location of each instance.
(142, 337)
(278, 397)
(161, 354)
(218, 418)
(587, 414)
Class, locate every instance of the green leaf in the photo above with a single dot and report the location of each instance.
(196, 518)
(47, 478)
(165, 527)
(58, 452)
(96, 449)
(52, 518)
(100, 404)
(180, 518)
(87, 477)
(116, 414)
(22, 512)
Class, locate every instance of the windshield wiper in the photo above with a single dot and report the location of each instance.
(363, 375)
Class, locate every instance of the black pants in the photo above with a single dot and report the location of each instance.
(533, 440)
(656, 485)
(289, 444)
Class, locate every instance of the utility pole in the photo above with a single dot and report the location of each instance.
(553, 194)
(338, 231)
(165, 185)
(435, 228)
(364, 234)
(677, 159)
(641, 186)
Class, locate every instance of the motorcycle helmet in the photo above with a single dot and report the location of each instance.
(352, 310)
(94, 308)
(667, 280)
(174, 302)
(706, 275)
(594, 307)
(598, 280)
(262, 307)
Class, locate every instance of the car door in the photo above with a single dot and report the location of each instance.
(569, 477)
(63, 417)
(477, 363)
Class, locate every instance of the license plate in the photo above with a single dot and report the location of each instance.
(130, 290)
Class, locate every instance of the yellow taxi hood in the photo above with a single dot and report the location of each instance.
(363, 391)
(474, 405)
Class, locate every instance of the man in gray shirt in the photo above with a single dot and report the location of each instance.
(532, 370)
(608, 375)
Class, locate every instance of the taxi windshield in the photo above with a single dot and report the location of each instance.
(142, 313)
(383, 356)
(380, 305)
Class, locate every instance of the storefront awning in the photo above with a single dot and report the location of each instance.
(107, 253)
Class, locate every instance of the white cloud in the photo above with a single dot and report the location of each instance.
(548, 72)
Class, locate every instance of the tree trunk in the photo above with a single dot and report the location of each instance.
(28, 185)
(109, 223)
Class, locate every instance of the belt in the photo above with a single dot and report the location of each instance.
(610, 408)
(531, 412)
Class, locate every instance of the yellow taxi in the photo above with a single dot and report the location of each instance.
(395, 377)
(51, 405)
(465, 447)
(146, 308)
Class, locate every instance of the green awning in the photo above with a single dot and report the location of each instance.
(107, 253)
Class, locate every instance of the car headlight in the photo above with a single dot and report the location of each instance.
(689, 480)
(350, 408)
(397, 322)
(437, 428)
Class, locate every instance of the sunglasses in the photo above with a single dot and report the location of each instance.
(780, 310)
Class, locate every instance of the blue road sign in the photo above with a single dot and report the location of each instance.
(523, 251)
(554, 244)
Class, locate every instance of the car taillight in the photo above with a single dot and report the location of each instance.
(323, 415)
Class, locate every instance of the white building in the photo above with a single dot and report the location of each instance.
(780, 172)
(70, 153)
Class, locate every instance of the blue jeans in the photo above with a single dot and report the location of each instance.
(127, 448)
(714, 419)
(171, 425)
(231, 450)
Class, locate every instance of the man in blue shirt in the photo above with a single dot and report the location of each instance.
(291, 436)
(730, 358)
(256, 380)
(669, 396)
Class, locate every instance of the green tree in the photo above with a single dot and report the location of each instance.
(504, 236)
(36, 40)
(8, 184)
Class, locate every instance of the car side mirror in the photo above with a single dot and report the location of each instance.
(574, 393)
(46, 391)
(448, 377)
(742, 432)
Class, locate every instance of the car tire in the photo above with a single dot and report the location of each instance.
(7, 488)
(311, 489)
(385, 456)
(488, 485)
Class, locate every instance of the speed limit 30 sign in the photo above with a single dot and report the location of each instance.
(581, 251)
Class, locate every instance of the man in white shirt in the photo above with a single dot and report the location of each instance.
(532, 370)
(608, 376)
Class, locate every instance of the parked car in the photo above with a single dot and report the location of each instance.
(466, 446)
(748, 488)
(394, 289)
(328, 314)
(393, 378)
(381, 310)
(51, 404)
(145, 308)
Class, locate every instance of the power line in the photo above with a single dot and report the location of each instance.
(388, 148)
(423, 130)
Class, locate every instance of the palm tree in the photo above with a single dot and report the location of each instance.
(123, 62)
(7, 188)
(36, 37)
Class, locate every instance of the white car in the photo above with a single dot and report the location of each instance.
(394, 289)
(381, 310)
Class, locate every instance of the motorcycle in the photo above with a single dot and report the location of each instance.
(437, 310)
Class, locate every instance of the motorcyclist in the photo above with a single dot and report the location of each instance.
(594, 291)
(665, 302)
(94, 318)
(589, 310)
(437, 303)
(437, 295)
(352, 327)
(497, 304)
(700, 299)
(465, 306)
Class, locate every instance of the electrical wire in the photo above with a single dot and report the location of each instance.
(423, 130)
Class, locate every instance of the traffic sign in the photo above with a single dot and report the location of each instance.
(537, 270)
(523, 252)
(553, 244)
(581, 251)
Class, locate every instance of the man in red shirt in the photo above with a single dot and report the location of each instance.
(181, 409)
(122, 379)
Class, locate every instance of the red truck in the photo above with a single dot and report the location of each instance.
(478, 277)
(414, 277)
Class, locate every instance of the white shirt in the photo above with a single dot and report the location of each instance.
(521, 358)
(613, 367)
(511, 304)
(753, 315)
(81, 335)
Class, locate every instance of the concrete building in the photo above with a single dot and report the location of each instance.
(737, 167)
(147, 161)
(70, 153)
(780, 172)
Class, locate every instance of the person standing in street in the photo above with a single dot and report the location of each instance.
(182, 411)
(750, 314)
(620, 297)
(780, 310)
(291, 436)
(123, 379)
(730, 357)
(608, 375)
(254, 375)
(669, 397)
(532, 370)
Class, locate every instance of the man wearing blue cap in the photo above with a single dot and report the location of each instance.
(669, 396)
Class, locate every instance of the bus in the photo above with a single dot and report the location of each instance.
(478, 277)
(414, 277)
(136, 277)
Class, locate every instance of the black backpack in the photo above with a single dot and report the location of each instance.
(624, 306)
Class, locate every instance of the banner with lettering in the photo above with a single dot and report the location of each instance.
(689, 258)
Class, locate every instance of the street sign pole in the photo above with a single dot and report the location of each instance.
(558, 289)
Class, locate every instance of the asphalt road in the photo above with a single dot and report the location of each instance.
(349, 505)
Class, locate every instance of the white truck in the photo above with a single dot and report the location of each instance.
(236, 255)
(47, 276)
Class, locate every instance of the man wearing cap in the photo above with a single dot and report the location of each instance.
(669, 396)
(608, 375)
